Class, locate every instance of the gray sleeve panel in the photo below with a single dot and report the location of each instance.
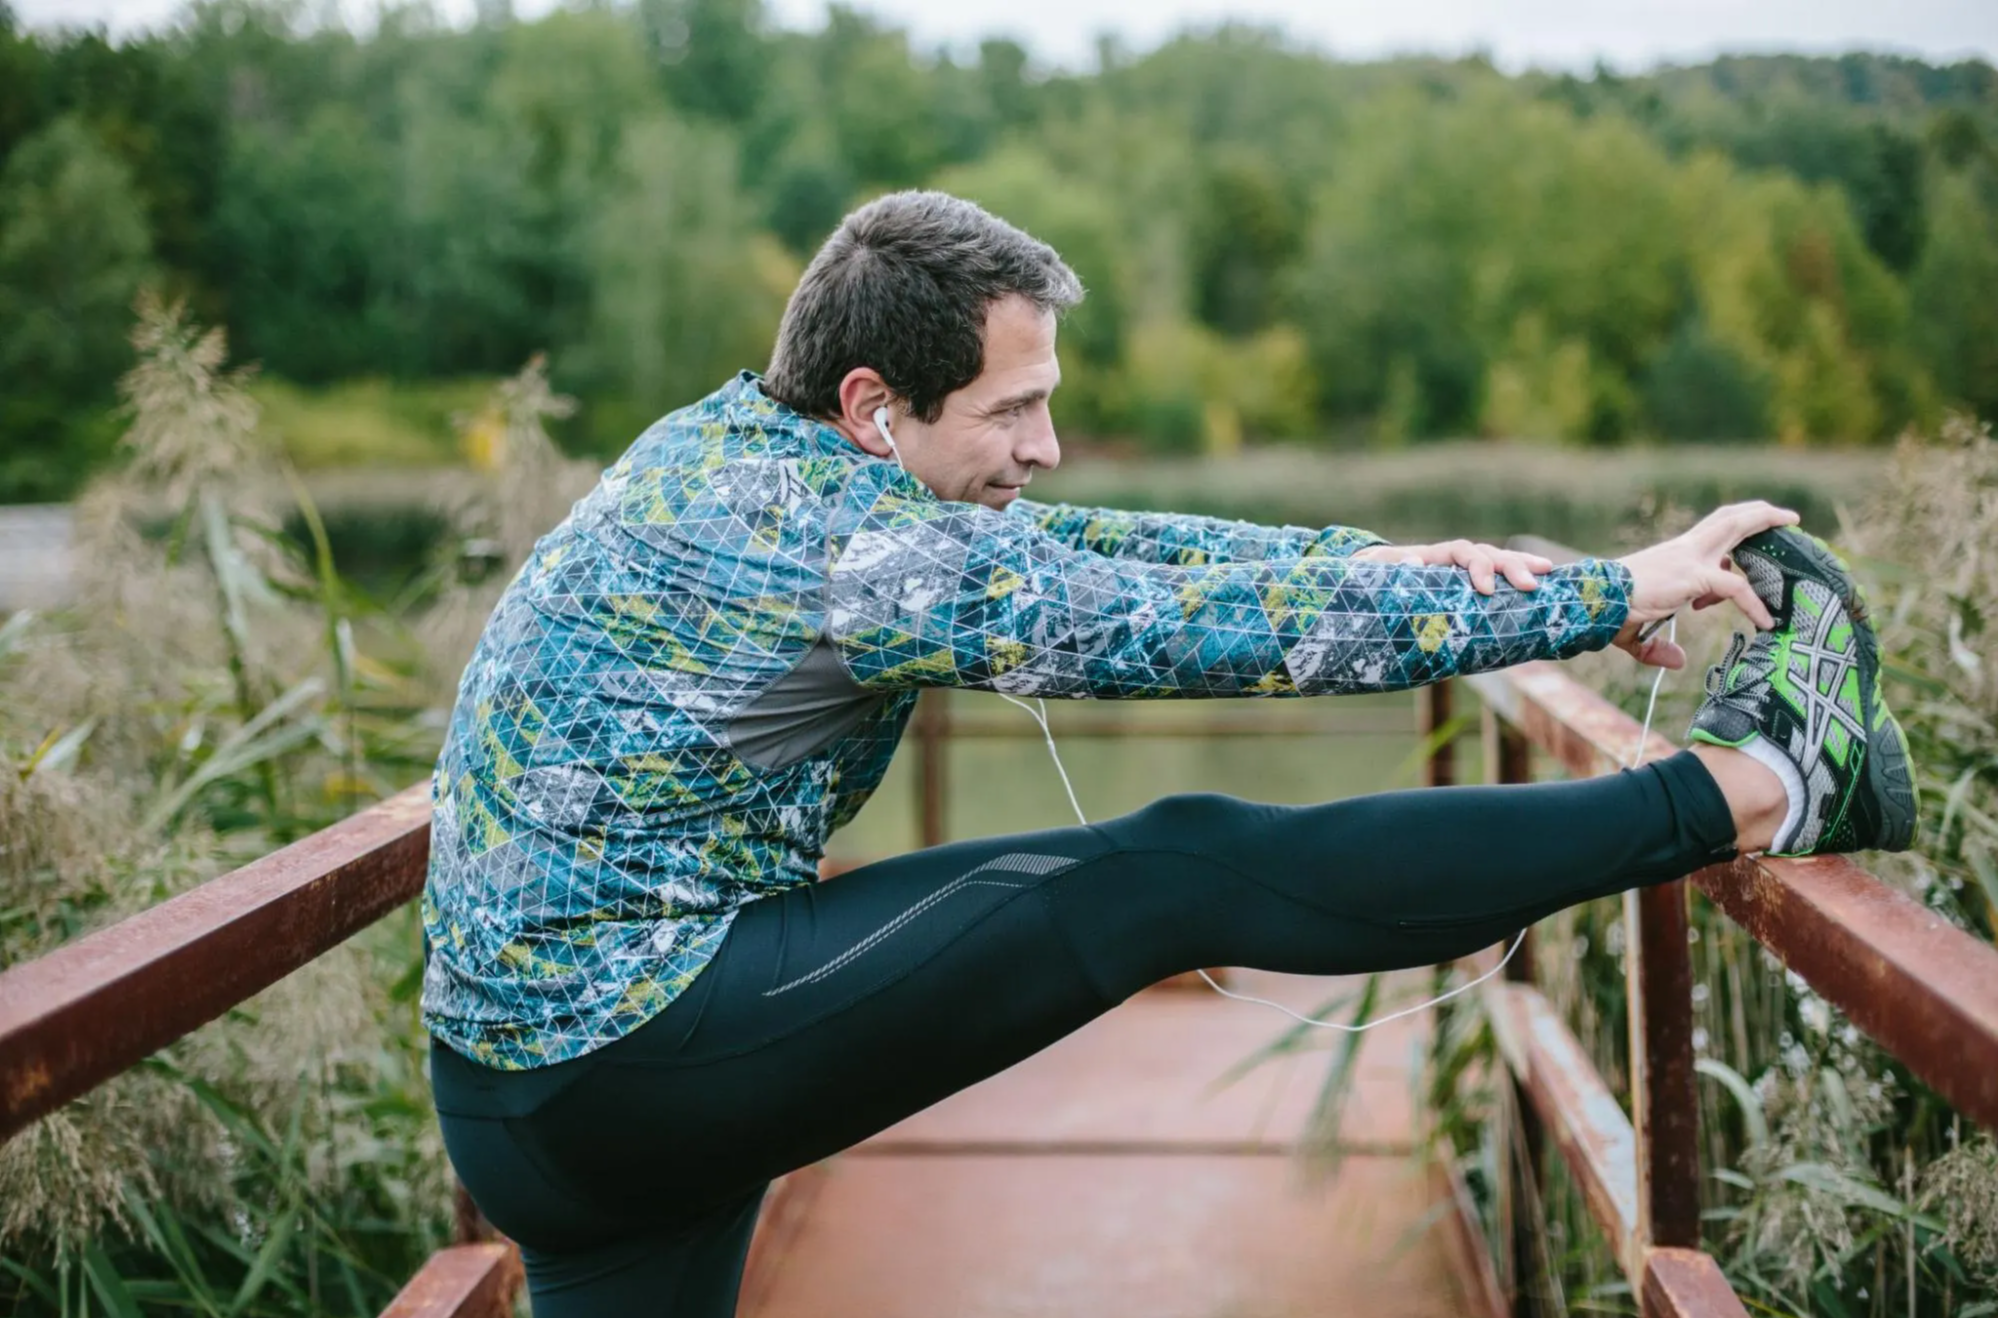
(801, 713)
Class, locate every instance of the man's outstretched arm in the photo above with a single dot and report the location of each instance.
(1185, 539)
(927, 593)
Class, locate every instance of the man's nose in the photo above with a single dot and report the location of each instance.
(1041, 449)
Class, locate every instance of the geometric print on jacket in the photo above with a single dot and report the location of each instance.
(594, 832)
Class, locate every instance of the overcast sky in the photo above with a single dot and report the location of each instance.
(1628, 34)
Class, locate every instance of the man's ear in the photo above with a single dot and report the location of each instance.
(861, 392)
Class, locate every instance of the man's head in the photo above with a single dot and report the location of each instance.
(926, 305)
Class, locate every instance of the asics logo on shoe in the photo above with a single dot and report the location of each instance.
(1826, 667)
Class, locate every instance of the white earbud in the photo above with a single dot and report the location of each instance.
(881, 424)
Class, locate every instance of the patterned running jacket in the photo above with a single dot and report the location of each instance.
(703, 671)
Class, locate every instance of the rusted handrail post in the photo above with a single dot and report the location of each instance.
(1509, 759)
(933, 733)
(1665, 1112)
(1433, 713)
(468, 1225)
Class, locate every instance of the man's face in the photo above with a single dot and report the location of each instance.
(995, 432)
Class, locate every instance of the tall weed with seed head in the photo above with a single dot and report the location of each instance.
(523, 488)
(1926, 550)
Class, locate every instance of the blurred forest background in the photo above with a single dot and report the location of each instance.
(1277, 245)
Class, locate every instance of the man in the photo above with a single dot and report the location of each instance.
(644, 1008)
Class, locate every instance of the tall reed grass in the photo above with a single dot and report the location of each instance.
(216, 691)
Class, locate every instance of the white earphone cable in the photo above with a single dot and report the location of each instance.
(1039, 713)
(881, 424)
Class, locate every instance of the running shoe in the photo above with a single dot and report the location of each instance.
(1805, 699)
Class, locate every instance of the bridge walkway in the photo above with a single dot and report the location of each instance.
(1108, 1175)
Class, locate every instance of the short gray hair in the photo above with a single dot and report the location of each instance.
(903, 286)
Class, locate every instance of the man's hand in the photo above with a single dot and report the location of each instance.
(1694, 568)
(1486, 563)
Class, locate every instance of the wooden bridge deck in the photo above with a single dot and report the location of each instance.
(1108, 1176)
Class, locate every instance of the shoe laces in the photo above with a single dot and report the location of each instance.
(1717, 674)
(1747, 695)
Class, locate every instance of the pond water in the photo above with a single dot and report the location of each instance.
(994, 785)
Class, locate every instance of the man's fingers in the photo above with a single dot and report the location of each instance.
(1662, 653)
(1727, 527)
(1519, 569)
(1476, 561)
(1730, 586)
(1657, 652)
(1485, 564)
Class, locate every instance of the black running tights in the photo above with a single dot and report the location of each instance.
(631, 1176)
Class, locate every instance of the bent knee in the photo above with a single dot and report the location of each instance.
(1189, 818)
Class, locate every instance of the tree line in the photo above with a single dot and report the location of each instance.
(1277, 244)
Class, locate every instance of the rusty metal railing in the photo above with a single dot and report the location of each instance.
(79, 1015)
(1923, 989)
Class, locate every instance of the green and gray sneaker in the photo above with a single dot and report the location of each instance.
(1805, 699)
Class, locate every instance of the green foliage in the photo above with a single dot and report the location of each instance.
(683, 301)
(1277, 244)
(1955, 325)
(1696, 388)
(708, 51)
(1243, 231)
(74, 248)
